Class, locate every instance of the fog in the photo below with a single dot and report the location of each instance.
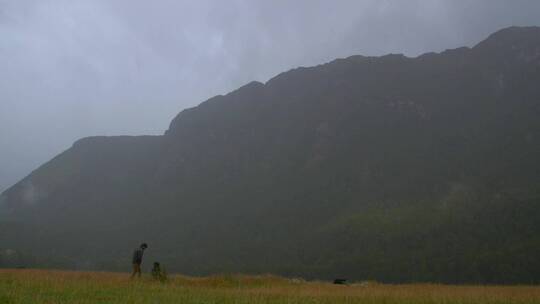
(70, 69)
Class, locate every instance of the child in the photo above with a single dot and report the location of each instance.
(158, 273)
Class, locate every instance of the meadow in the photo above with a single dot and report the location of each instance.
(44, 286)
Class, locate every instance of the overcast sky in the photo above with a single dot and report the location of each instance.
(70, 69)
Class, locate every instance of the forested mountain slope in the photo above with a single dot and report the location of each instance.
(389, 168)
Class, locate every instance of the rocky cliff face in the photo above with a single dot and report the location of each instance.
(391, 168)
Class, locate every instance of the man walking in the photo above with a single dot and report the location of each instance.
(137, 260)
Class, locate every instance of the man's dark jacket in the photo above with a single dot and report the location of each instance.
(137, 256)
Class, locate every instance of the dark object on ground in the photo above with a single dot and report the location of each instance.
(340, 281)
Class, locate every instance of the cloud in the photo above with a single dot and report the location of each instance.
(74, 68)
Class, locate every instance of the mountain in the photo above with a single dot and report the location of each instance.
(388, 168)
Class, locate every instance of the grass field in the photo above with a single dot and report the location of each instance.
(40, 286)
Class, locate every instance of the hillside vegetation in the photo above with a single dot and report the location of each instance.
(388, 168)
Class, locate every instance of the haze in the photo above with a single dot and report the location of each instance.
(70, 69)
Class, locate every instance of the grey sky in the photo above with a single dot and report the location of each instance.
(70, 68)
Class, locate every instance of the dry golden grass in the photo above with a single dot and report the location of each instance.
(41, 286)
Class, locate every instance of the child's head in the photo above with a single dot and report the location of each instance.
(156, 265)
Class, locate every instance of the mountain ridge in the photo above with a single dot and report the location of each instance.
(390, 168)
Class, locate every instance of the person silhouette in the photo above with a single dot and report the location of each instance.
(137, 260)
(159, 273)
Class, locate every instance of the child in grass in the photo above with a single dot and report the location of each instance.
(158, 273)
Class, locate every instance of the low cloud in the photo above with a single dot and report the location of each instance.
(72, 68)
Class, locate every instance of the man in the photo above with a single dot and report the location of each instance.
(137, 260)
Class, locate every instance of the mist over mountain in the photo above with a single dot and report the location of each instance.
(389, 168)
